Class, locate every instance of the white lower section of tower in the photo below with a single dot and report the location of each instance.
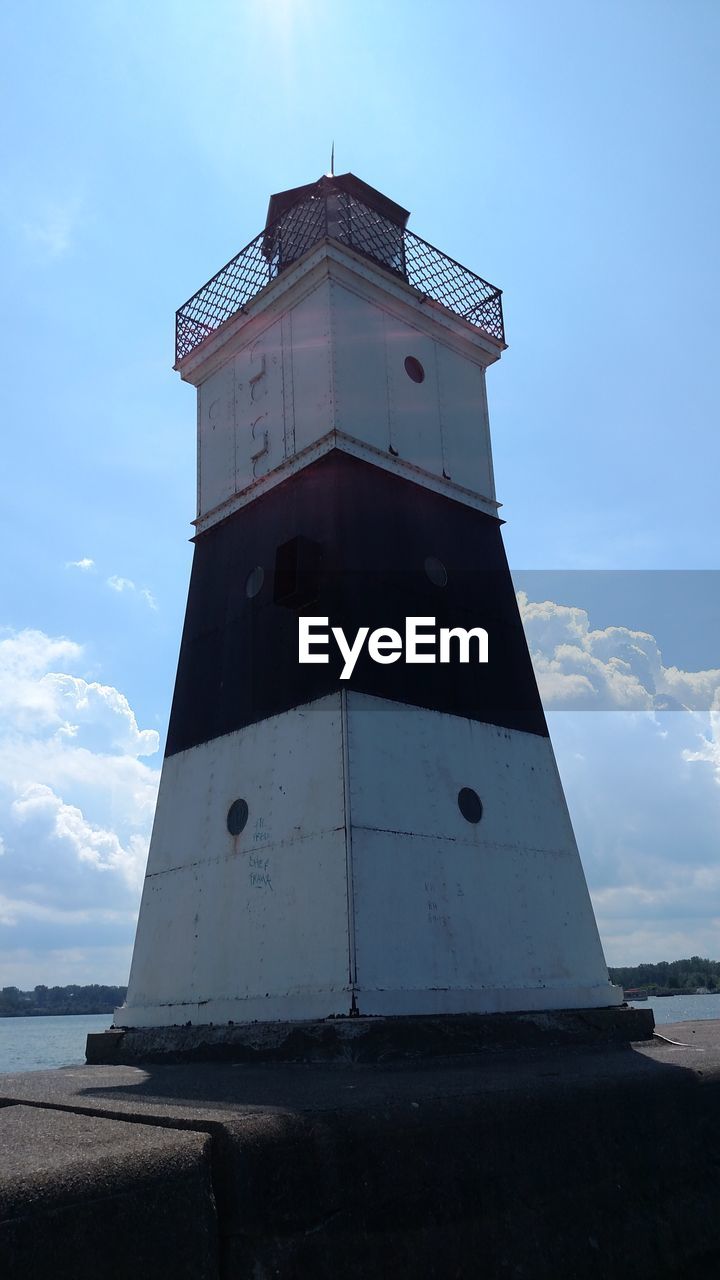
(356, 883)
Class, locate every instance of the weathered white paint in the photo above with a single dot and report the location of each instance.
(347, 444)
(360, 368)
(444, 908)
(216, 438)
(259, 919)
(357, 874)
(309, 356)
(259, 407)
(329, 364)
(462, 400)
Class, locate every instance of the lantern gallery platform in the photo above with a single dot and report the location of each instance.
(423, 644)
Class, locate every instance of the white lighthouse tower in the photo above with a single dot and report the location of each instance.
(396, 842)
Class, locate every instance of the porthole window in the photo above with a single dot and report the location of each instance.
(436, 571)
(414, 369)
(237, 817)
(470, 805)
(254, 581)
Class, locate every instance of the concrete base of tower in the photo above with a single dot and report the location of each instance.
(370, 1039)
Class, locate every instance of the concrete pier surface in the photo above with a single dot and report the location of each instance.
(599, 1162)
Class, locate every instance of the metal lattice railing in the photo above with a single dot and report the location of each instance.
(337, 216)
(448, 282)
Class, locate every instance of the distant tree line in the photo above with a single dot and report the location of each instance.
(670, 975)
(55, 1000)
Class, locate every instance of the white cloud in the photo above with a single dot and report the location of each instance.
(25, 967)
(25, 657)
(579, 668)
(85, 708)
(65, 824)
(647, 817)
(85, 565)
(641, 785)
(116, 582)
(709, 751)
(12, 912)
(121, 585)
(76, 806)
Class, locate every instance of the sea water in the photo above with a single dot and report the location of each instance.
(31, 1044)
(683, 1008)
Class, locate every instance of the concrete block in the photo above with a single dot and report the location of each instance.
(572, 1162)
(83, 1197)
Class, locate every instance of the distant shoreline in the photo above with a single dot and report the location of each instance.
(61, 1002)
(58, 1013)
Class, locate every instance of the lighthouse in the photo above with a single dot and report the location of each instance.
(383, 834)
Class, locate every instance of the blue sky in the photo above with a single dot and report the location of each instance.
(568, 153)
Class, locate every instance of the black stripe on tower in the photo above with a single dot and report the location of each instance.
(346, 540)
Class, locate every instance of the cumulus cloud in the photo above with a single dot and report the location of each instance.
(641, 785)
(65, 825)
(76, 807)
(85, 565)
(579, 668)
